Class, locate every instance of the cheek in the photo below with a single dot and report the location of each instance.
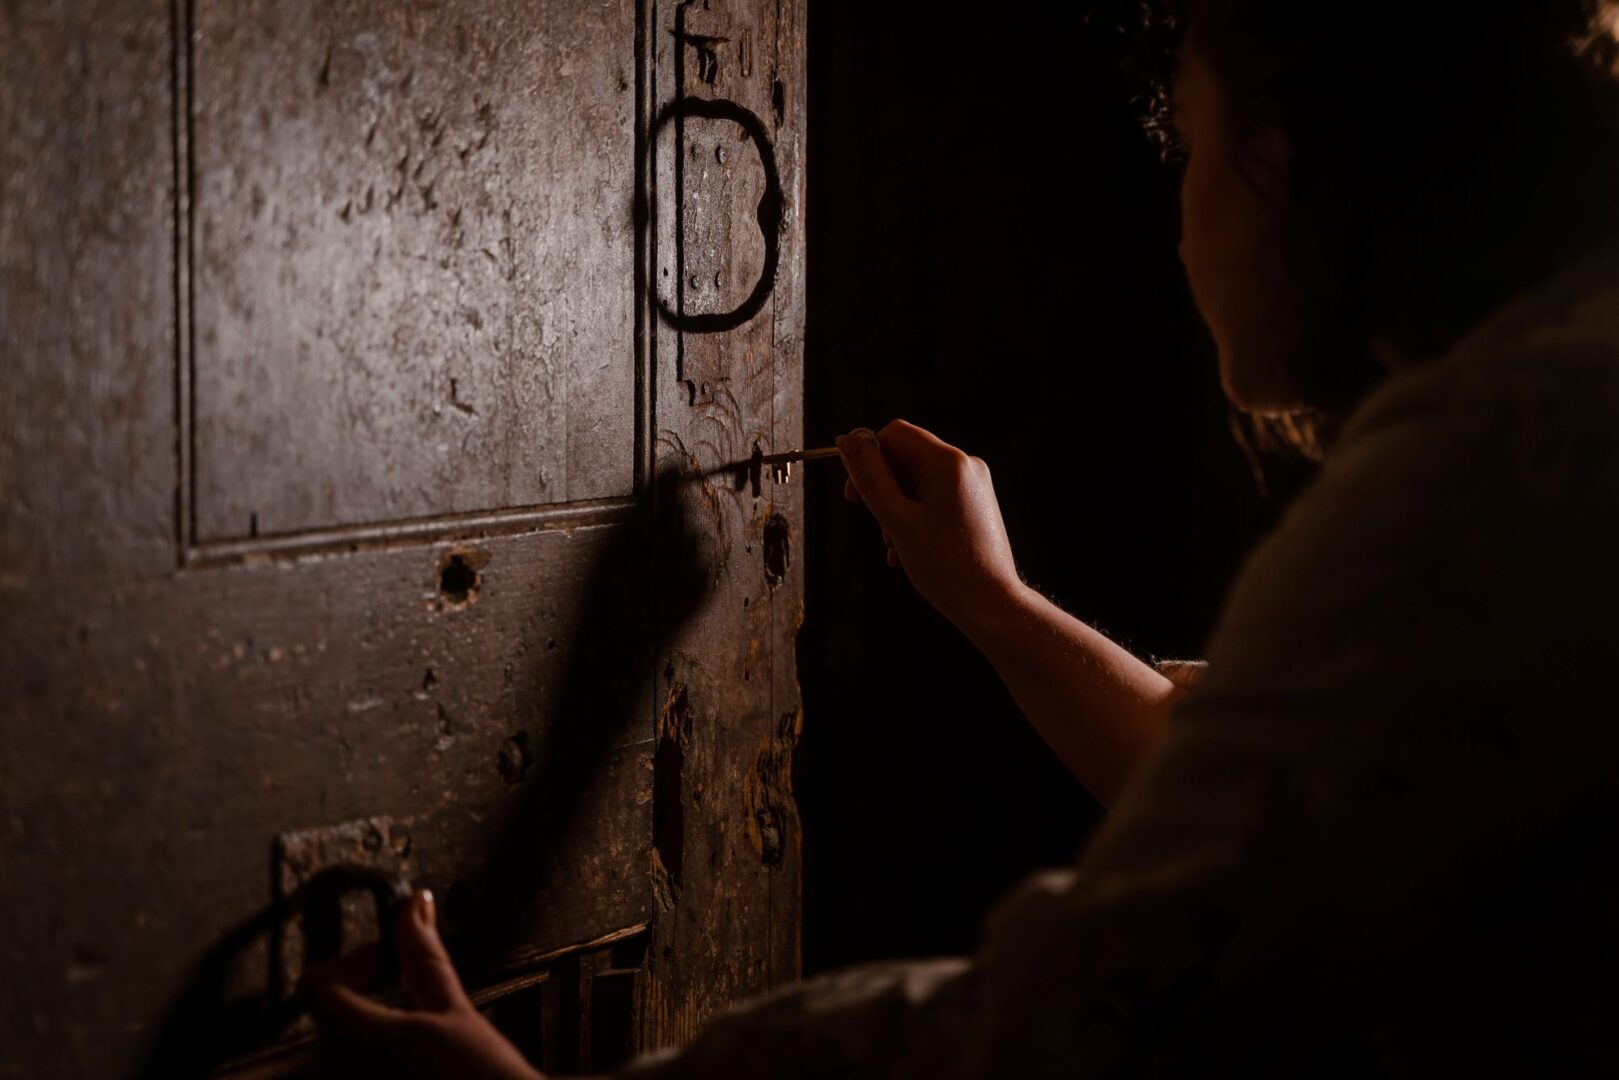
(1202, 249)
(1219, 226)
(1190, 221)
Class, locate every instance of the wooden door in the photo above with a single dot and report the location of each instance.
(365, 365)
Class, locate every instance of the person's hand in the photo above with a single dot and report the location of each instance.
(443, 1036)
(939, 517)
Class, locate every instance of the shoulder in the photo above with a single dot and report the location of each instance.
(1539, 410)
(1541, 374)
(1469, 505)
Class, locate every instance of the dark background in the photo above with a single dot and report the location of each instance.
(991, 255)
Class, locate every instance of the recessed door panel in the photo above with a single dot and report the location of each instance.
(413, 266)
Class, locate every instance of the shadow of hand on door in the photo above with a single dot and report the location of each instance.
(650, 581)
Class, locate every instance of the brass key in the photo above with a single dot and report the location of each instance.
(781, 465)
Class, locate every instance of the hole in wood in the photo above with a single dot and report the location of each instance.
(458, 581)
(778, 549)
(513, 759)
(668, 781)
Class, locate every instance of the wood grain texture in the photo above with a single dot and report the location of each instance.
(788, 116)
(414, 259)
(86, 306)
(728, 925)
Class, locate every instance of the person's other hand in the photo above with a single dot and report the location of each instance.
(443, 1036)
(939, 517)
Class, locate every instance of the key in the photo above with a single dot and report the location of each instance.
(781, 465)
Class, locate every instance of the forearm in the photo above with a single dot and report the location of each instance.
(1097, 706)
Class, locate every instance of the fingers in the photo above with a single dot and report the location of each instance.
(904, 440)
(349, 1021)
(918, 458)
(424, 968)
(873, 481)
(341, 1008)
(890, 471)
(424, 963)
(356, 968)
(351, 970)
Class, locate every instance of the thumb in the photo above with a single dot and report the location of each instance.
(424, 963)
(873, 480)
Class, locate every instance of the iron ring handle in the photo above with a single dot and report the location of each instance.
(768, 213)
(319, 903)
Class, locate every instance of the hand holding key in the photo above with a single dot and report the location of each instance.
(940, 518)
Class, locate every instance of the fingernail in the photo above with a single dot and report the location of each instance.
(848, 445)
(867, 434)
(426, 912)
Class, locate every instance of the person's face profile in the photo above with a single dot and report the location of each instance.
(1231, 223)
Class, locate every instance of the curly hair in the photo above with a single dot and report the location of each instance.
(1444, 155)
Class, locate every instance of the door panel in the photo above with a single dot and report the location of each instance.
(328, 520)
(414, 259)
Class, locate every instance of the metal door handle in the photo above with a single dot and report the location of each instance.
(768, 213)
(319, 904)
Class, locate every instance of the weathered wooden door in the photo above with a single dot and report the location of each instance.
(360, 362)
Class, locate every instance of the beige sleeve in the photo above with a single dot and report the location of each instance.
(1183, 673)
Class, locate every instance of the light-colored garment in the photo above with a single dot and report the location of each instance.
(1381, 834)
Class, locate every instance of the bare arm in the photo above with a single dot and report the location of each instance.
(1096, 705)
